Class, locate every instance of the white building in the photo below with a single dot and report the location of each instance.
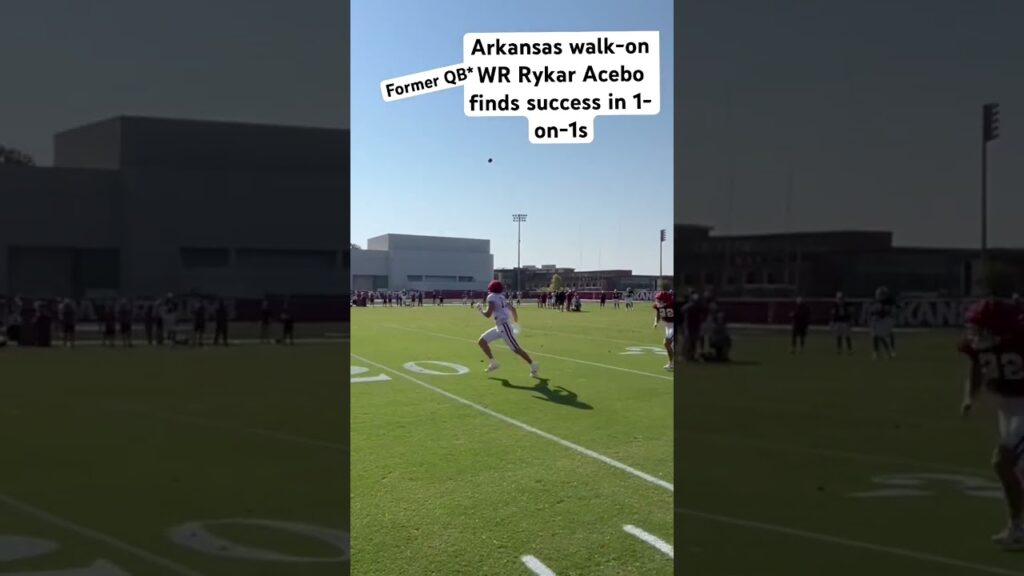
(422, 263)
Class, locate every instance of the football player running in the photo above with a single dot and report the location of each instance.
(995, 347)
(664, 315)
(500, 309)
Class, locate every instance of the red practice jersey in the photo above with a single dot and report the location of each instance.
(1001, 365)
(666, 311)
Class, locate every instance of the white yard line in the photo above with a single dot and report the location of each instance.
(96, 535)
(541, 354)
(575, 447)
(536, 566)
(651, 539)
(816, 536)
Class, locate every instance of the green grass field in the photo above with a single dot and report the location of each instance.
(125, 461)
(467, 473)
(818, 464)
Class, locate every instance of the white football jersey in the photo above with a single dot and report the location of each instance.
(502, 311)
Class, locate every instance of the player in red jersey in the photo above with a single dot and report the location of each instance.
(665, 316)
(995, 346)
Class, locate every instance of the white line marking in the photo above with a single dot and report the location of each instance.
(651, 539)
(585, 451)
(577, 360)
(536, 566)
(851, 543)
(96, 535)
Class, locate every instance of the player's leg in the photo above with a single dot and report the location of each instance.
(670, 347)
(878, 341)
(1005, 461)
(485, 344)
(510, 339)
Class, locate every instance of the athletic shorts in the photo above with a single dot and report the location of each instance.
(670, 331)
(882, 328)
(1011, 424)
(503, 331)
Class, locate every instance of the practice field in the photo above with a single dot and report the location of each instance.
(173, 461)
(460, 472)
(820, 464)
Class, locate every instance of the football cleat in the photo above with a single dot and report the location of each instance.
(534, 368)
(491, 367)
(1012, 538)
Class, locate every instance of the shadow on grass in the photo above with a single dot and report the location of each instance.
(557, 395)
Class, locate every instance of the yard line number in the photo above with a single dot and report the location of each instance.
(427, 367)
(198, 536)
(919, 485)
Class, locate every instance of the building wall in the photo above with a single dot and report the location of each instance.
(423, 263)
(167, 210)
(819, 264)
(439, 270)
(429, 243)
(163, 143)
(56, 210)
(369, 270)
(96, 146)
(261, 203)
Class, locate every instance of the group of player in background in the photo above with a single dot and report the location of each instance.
(33, 324)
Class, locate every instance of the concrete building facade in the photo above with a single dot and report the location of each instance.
(141, 206)
(422, 263)
(817, 264)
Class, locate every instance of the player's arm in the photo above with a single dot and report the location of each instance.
(515, 313)
(657, 316)
(490, 309)
(971, 387)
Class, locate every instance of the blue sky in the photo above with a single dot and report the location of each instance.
(419, 166)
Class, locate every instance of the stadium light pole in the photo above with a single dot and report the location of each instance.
(989, 132)
(661, 252)
(519, 219)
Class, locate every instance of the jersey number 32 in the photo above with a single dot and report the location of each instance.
(1008, 366)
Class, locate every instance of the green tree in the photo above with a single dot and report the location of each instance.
(15, 157)
(556, 283)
